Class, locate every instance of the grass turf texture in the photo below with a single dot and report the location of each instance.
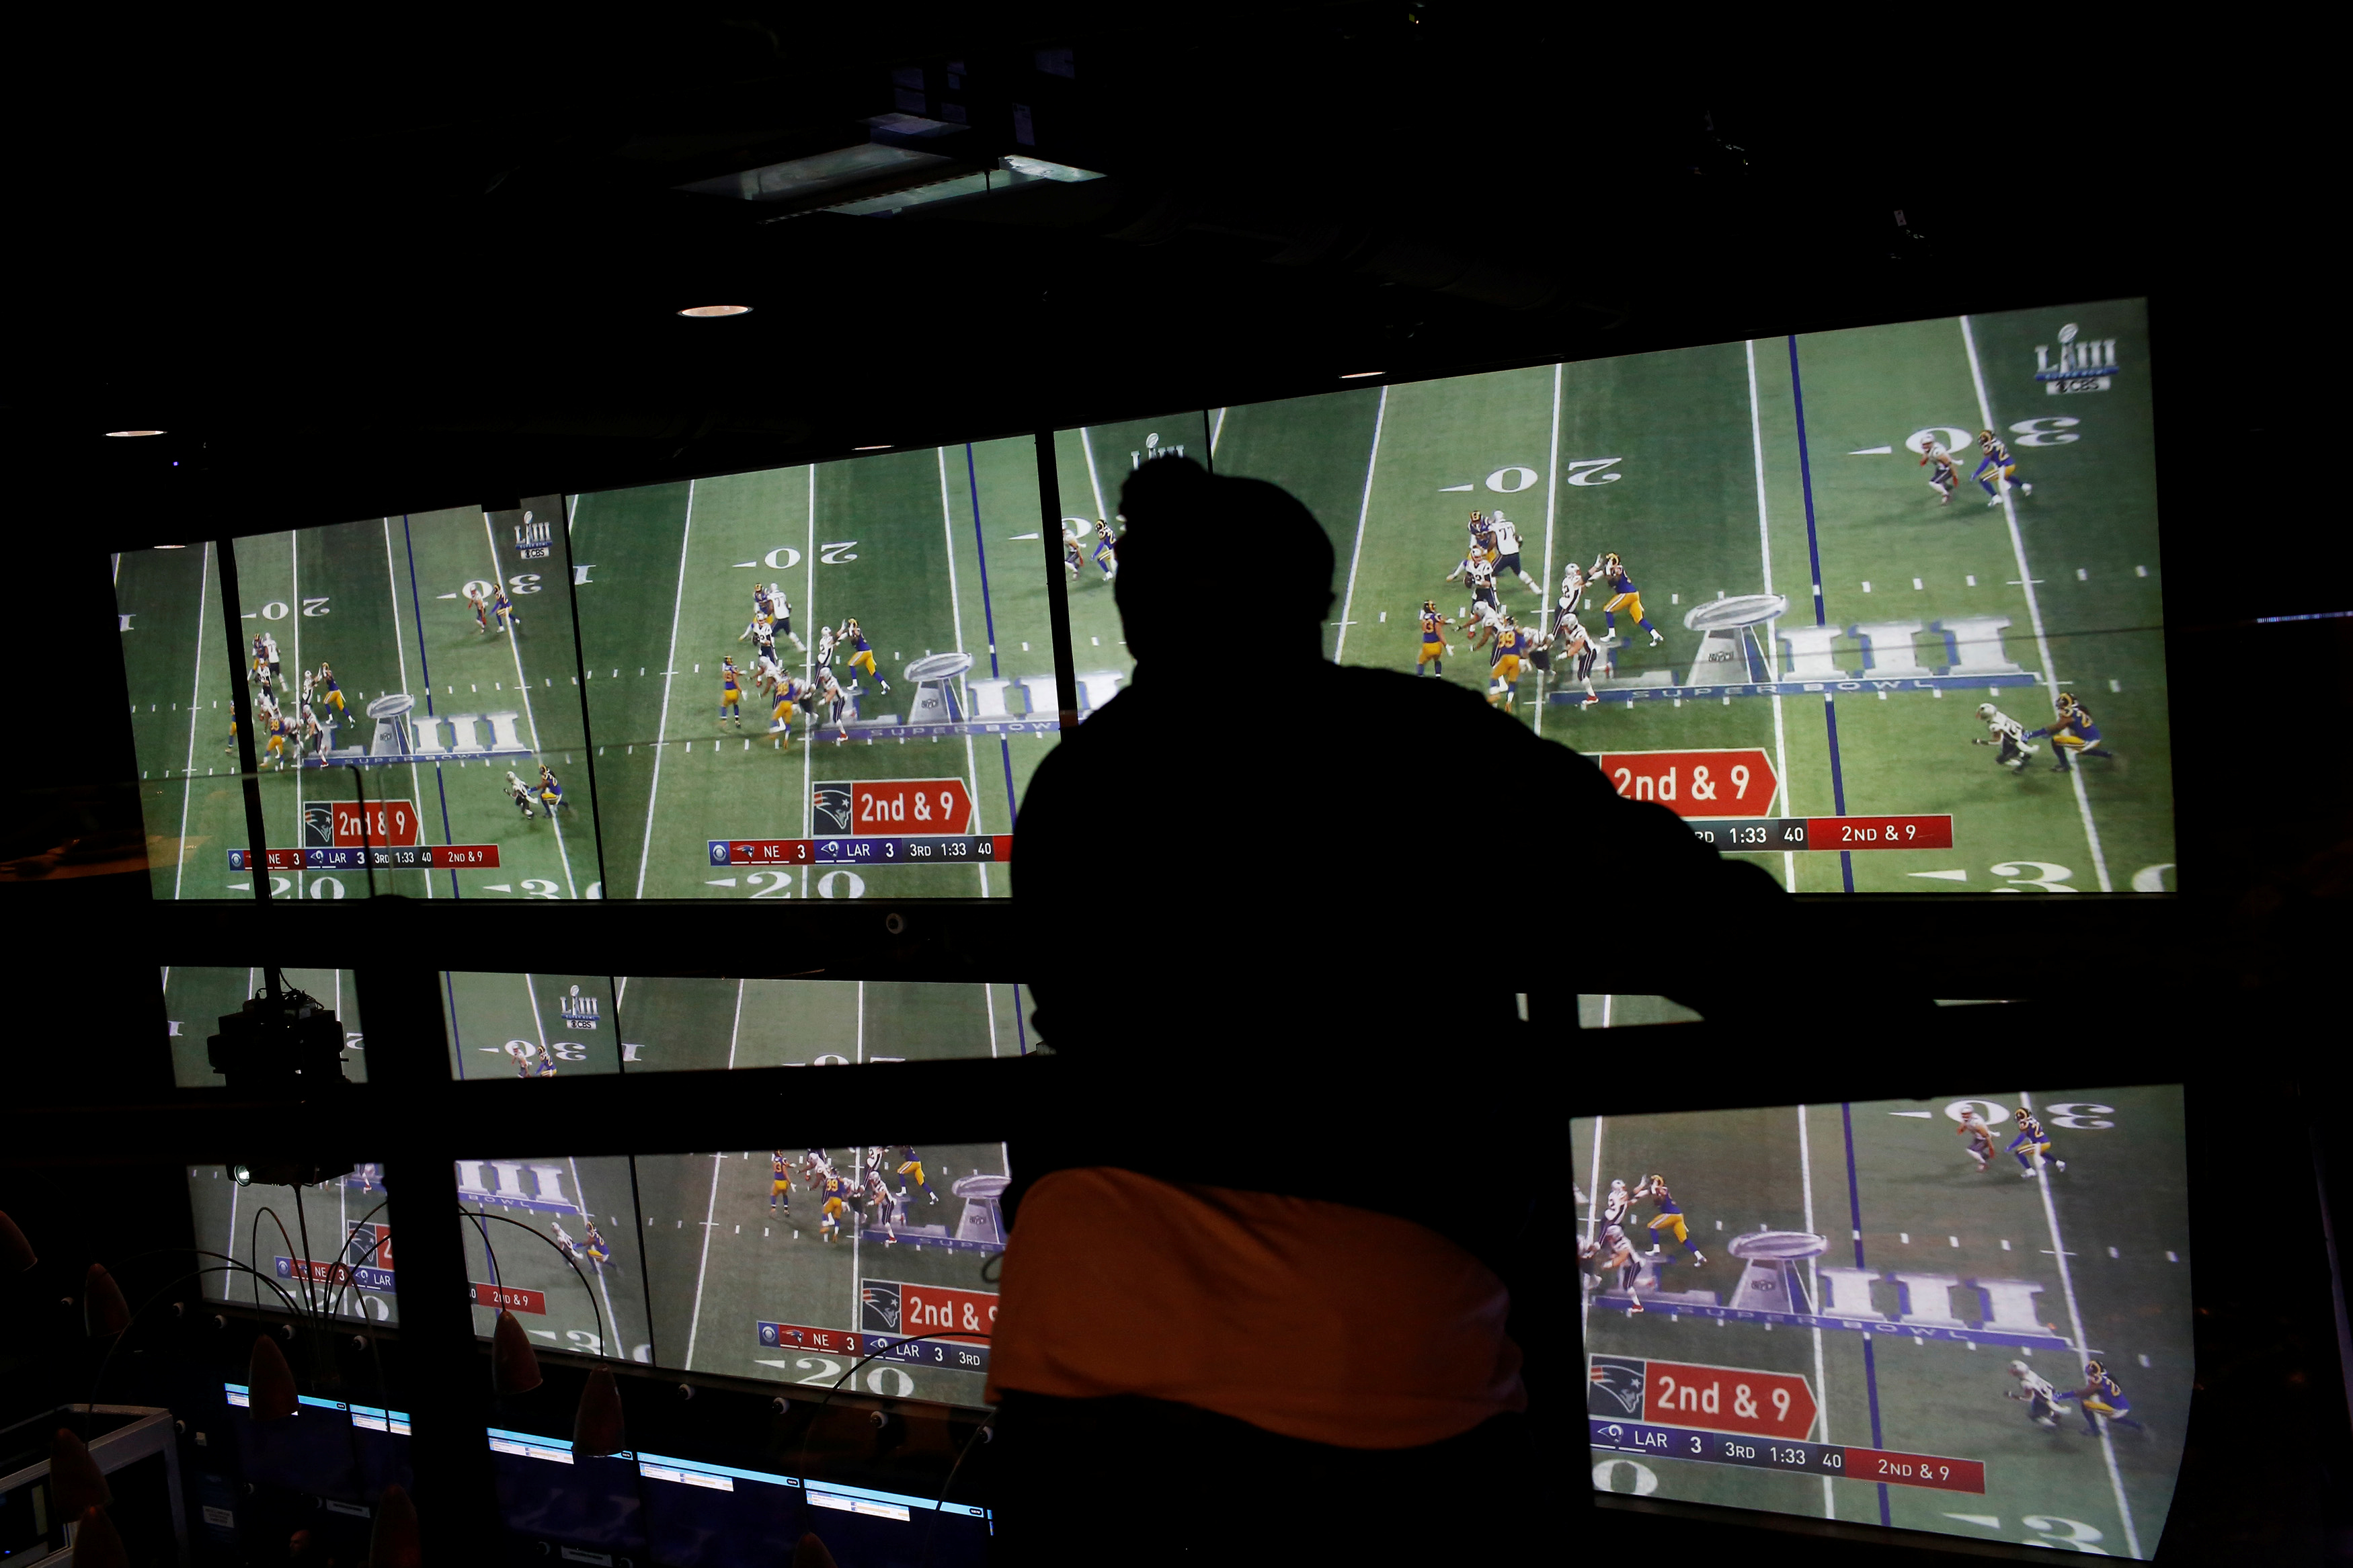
(921, 547)
(2119, 1212)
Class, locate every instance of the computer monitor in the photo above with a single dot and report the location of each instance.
(1970, 1316)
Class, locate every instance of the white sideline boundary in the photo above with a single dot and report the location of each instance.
(694, 1325)
(1592, 1220)
(1094, 480)
(1364, 511)
(2075, 1322)
(294, 636)
(188, 782)
(1772, 643)
(661, 730)
(808, 738)
(612, 1323)
(2041, 643)
(563, 852)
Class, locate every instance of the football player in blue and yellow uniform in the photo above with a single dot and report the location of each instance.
(837, 1190)
(1623, 596)
(330, 694)
(1433, 640)
(1668, 1222)
(2071, 732)
(1944, 474)
(1106, 555)
(1503, 664)
(594, 1247)
(551, 793)
(2100, 1396)
(911, 1164)
(281, 735)
(731, 693)
(2032, 1143)
(1482, 538)
(1998, 469)
(780, 1182)
(790, 692)
(861, 653)
(502, 610)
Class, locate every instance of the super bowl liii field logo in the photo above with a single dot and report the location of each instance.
(535, 541)
(579, 1012)
(2085, 364)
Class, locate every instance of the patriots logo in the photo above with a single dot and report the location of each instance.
(833, 810)
(882, 1305)
(1615, 1387)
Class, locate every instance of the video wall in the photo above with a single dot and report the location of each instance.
(1878, 608)
(790, 1263)
(1969, 1316)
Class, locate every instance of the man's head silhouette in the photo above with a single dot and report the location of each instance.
(1198, 545)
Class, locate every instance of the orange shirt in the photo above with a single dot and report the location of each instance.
(1309, 1319)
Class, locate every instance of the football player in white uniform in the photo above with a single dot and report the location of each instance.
(1578, 652)
(1614, 1251)
(2041, 1399)
(520, 793)
(839, 704)
(825, 641)
(2007, 732)
(780, 609)
(1507, 553)
(1974, 1128)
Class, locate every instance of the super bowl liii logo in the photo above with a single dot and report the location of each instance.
(533, 539)
(2085, 364)
(579, 1012)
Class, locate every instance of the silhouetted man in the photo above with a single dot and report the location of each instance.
(1288, 905)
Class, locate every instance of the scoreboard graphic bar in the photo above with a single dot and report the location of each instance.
(1930, 831)
(946, 849)
(1935, 1471)
(353, 856)
(942, 1354)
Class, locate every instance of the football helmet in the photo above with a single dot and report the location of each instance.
(2022, 1116)
(2019, 1369)
(2094, 1371)
(1618, 1185)
(1986, 710)
(2063, 702)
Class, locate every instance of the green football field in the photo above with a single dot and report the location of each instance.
(1691, 466)
(1890, 1189)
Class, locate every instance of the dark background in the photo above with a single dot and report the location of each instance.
(374, 261)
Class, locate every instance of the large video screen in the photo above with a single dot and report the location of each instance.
(196, 999)
(819, 682)
(1879, 608)
(1971, 1317)
(418, 719)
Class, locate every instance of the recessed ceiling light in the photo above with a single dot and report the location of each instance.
(1357, 375)
(883, 447)
(716, 310)
(134, 431)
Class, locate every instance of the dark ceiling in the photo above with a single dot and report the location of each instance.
(367, 262)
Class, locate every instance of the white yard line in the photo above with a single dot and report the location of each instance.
(1592, 1225)
(400, 657)
(188, 785)
(1216, 430)
(2041, 643)
(1094, 480)
(987, 1005)
(1552, 508)
(294, 636)
(612, 1323)
(2075, 1318)
(1814, 1304)
(955, 605)
(669, 676)
(860, 1047)
(809, 615)
(1765, 549)
(523, 683)
(1372, 462)
(710, 1220)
